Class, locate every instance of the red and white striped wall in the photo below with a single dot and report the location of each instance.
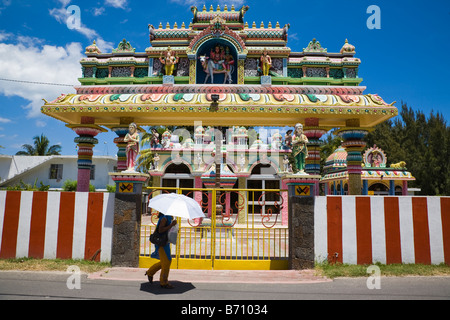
(365, 230)
(50, 225)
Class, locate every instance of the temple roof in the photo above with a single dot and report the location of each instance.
(236, 105)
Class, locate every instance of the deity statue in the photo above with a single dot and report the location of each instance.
(266, 62)
(299, 148)
(229, 60)
(286, 163)
(169, 60)
(132, 139)
(154, 142)
(167, 135)
(217, 56)
(199, 161)
(288, 140)
(220, 61)
(156, 159)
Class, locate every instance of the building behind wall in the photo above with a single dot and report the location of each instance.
(52, 170)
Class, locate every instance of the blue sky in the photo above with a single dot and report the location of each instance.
(406, 60)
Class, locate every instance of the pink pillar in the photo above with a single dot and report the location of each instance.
(285, 209)
(198, 184)
(227, 210)
(198, 195)
(405, 188)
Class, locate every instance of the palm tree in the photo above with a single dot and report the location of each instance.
(145, 160)
(40, 148)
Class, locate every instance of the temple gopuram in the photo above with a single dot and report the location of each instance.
(220, 73)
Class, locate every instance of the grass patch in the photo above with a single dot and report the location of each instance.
(391, 270)
(30, 264)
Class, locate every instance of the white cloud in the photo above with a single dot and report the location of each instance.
(41, 124)
(4, 120)
(117, 3)
(28, 62)
(98, 11)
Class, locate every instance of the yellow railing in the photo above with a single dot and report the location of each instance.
(246, 236)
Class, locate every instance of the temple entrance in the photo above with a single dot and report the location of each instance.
(230, 239)
(379, 189)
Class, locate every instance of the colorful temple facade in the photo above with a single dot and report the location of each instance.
(209, 74)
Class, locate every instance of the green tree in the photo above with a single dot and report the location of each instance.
(331, 143)
(41, 147)
(423, 143)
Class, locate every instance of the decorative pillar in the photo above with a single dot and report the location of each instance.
(241, 70)
(285, 209)
(353, 143)
(242, 213)
(122, 147)
(85, 141)
(405, 188)
(365, 188)
(391, 187)
(313, 132)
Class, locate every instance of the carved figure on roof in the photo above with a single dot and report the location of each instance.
(124, 46)
(242, 12)
(220, 61)
(299, 149)
(151, 30)
(169, 60)
(266, 62)
(374, 157)
(132, 139)
(314, 46)
(399, 165)
(285, 31)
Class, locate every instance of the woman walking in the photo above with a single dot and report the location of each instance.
(165, 223)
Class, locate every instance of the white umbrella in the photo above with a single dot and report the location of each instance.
(176, 205)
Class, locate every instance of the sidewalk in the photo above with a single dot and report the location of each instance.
(216, 276)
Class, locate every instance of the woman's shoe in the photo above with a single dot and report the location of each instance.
(149, 277)
(167, 286)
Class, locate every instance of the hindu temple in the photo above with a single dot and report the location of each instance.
(222, 77)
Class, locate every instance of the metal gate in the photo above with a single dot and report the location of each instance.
(248, 233)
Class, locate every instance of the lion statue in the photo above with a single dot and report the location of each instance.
(399, 165)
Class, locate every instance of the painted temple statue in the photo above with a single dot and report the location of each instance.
(220, 71)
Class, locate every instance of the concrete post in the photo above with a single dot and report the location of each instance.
(301, 192)
(127, 219)
(301, 233)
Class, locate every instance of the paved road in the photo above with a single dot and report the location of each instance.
(32, 286)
